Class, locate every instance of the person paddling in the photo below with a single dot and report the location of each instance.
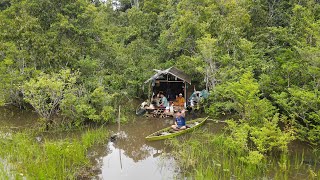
(180, 122)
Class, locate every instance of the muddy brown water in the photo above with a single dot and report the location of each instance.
(14, 117)
(129, 156)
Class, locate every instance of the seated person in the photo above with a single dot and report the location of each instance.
(180, 101)
(195, 99)
(180, 122)
(164, 102)
(155, 101)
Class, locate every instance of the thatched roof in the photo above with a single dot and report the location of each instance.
(174, 72)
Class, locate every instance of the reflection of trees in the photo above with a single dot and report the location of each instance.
(13, 116)
(96, 155)
(134, 144)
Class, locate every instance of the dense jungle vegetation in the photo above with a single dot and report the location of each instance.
(79, 59)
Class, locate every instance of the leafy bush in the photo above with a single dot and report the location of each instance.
(80, 105)
(46, 91)
(303, 106)
(49, 93)
(243, 98)
(258, 126)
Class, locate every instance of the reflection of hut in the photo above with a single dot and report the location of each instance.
(133, 141)
(171, 82)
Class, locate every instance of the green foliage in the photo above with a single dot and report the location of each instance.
(302, 105)
(11, 76)
(46, 91)
(238, 139)
(6, 80)
(243, 98)
(80, 105)
(269, 137)
(213, 156)
(82, 59)
(51, 159)
(115, 47)
(265, 138)
(254, 158)
(49, 93)
(258, 127)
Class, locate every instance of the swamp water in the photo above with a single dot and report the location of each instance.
(129, 155)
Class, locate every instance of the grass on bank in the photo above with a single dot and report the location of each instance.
(209, 156)
(49, 159)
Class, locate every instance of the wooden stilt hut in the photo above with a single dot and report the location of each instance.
(171, 82)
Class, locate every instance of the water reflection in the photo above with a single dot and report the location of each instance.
(130, 156)
(16, 118)
(117, 165)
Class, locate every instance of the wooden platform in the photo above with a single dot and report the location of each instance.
(160, 112)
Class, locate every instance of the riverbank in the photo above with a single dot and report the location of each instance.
(99, 160)
(31, 157)
(27, 151)
(210, 156)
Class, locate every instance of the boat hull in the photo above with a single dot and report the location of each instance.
(165, 133)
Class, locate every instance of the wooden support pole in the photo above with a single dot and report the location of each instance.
(185, 94)
(119, 120)
(149, 92)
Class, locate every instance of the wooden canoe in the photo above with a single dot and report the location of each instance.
(169, 132)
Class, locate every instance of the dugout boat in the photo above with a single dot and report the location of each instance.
(169, 132)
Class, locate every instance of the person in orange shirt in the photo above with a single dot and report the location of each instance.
(180, 101)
